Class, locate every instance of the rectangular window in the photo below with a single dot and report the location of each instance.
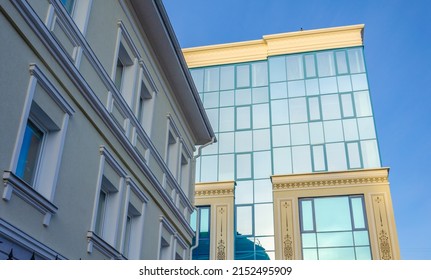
(119, 70)
(29, 154)
(101, 208)
(334, 228)
(325, 64)
(243, 76)
(202, 252)
(68, 5)
(310, 66)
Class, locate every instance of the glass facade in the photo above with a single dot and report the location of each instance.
(300, 113)
(202, 251)
(334, 228)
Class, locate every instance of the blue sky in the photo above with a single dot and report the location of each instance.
(398, 55)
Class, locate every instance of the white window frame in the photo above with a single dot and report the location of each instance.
(40, 193)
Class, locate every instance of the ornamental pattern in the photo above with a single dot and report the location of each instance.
(287, 247)
(385, 248)
(326, 183)
(221, 252)
(214, 192)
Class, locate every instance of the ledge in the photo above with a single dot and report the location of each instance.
(15, 184)
(277, 44)
(101, 245)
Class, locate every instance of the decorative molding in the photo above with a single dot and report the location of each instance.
(221, 228)
(19, 237)
(382, 227)
(287, 229)
(330, 183)
(15, 184)
(277, 44)
(224, 189)
(94, 241)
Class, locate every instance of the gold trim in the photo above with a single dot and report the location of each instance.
(215, 189)
(277, 44)
(330, 183)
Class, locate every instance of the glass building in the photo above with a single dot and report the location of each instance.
(301, 112)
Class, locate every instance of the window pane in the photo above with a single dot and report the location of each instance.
(259, 74)
(362, 104)
(227, 77)
(328, 85)
(350, 130)
(312, 86)
(298, 110)
(29, 154)
(68, 5)
(243, 76)
(335, 239)
(325, 64)
(296, 88)
(337, 254)
(243, 96)
(244, 220)
(307, 216)
(344, 83)
(265, 242)
(260, 95)
(243, 166)
(309, 254)
(332, 214)
(370, 154)
(209, 168)
(226, 142)
(347, 105)
(227, 98)
(277, 69)
(262, 165)
(278, 90)
(213, 118)
(263, 218)
(333, 131)
(282, 161)
(280, 135)
(261, 140)
(243, 116)
(211, 79)
(330, 107)
(336, 157)
(226, 119)
(354, 156)
(243, 141)
(301, 159)
(358, 212)
(100, 213)
(261, 116)
(279, 112)
(198, 78)
(205, 221)
(310, 66)
(363, 253)
(361, 238)
(316, 133)
(359, 82)
(308, 240)
(262, 191)
(314, 108)
(356, 61)
(211, 99)
(299, 134)
(226, 168)
(295, 68)
(366, 128)
(319, 158)
(341, 62)
(244, 192)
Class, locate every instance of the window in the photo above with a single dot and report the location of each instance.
(106, 211)
(30, 152)
(172, 153)
(202, 252)
(68, 5)
(334, 228)
(145, 106)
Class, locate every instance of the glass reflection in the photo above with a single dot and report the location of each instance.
(294, 67)
(259, 74)
(244, 220)
(260, 95)
(243, 76)
(279, 112)
(212, 79)
(262, 164)
(278, 90)
(296, 88)
(277, 69)
(227, 78)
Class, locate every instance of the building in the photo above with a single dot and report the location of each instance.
(296, 172)
(99, 122)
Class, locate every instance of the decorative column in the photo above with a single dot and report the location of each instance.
(220, 197)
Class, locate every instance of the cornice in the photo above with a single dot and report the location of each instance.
(215, 189)
(277, 44)
(331, 179)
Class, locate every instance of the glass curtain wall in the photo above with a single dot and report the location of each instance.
(300, 113)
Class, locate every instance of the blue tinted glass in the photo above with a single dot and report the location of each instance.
(295, 67)
(277, 69)
(227, 77)
(244, 220)
(361, 238)
(29, 154)
(259, 74)
(337, 254)
(212, 79)
(309, 240)
(278, 90)
(260, 95)
(243, 166)
(335, 239)
(198, 78)
(307, 215)
(243, 76)
(358, 212)
(363, 253)
(263, 219)
(332, 214)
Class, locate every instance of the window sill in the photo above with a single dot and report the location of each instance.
(101, 245)
(15, 184)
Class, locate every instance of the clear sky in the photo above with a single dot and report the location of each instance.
(398, 56)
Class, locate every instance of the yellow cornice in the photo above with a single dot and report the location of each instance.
(277, 44)
(218, 189)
